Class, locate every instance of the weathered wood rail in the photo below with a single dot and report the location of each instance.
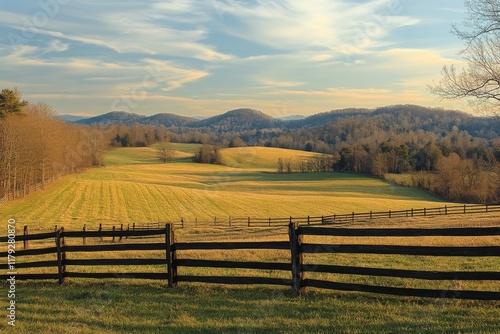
(344, 218)
(58, 245)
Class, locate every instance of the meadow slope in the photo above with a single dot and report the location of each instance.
(133, 187)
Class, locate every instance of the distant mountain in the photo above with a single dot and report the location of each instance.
(243, 119)
(168, 120)
(326, 117)
(71, 118)
(113, 117)
(397, 118)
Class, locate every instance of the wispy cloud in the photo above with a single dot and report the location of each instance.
(56, 46)
(284, 56)
(323, 24)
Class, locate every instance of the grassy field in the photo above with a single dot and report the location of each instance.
(134, 188)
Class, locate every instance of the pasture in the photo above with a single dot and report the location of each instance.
(133, 187)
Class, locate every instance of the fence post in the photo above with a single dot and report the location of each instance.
(182, 222)
(353, 217)
(425, 212)
(128, 230)
(114, 229)
(248, 221)
(412, 212)
(25, 232)
(269, 221)
(61, 255)
(229, 221)
(371, 215)
(133, 227)
(121, 234)
(171, 256)
(215, 220)
(296, 255)
(308, 220)
(389, 213)
(100, 228)
(84, 239)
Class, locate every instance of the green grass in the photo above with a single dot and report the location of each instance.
(134, 188)
(146, 155)
(91, 306)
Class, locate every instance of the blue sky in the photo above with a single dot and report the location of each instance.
(200, 58)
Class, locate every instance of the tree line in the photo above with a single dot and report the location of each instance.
(37, 147)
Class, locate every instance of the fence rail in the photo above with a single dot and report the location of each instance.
(335, 219)
(483, 251)
(172, 257)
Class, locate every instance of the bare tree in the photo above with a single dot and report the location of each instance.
(479, 80)
(281, 165)
(165, 152)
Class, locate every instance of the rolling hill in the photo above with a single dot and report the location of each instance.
(166, 119)
(135, 187)
(395, 119)
(239, 120)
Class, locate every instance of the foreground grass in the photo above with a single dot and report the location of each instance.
(145, 306)
(149, 307)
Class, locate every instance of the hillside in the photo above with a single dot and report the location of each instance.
(239, 120)
(396, 119)
(166, 119)
(135, 187)
(259, 157)
(326, 117)
(113, 117)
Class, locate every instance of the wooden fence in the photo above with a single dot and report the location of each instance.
(171, 258)
(346, 217)
(334, 219)
(343, 218)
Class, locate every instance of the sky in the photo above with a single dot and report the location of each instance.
(205, 57)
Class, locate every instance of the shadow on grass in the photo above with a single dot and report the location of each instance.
(118, 306)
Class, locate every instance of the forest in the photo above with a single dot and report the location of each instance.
(449, 153)
(37, 147)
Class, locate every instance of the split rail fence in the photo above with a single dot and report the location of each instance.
(347, 217)
(59, 246)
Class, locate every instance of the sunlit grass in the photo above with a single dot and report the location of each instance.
(135, 188)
